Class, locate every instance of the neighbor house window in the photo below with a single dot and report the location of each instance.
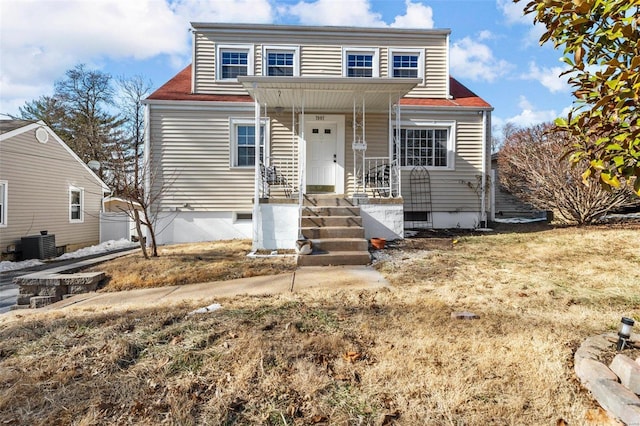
(406, 64)
(4, 188)
(360, 63)
(234, 61)
(426, 146)
(243, 142)
(76, 204)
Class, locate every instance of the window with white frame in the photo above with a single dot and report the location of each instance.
(4, 190)
(406, 63)
(76, 204)
(234, 61)
(243, 145)
(360, 63)
(428, 146)
(281, 61)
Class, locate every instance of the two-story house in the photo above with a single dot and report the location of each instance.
(362, 133)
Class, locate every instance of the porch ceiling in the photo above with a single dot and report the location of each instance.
(327, 93)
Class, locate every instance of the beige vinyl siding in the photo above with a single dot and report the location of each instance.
(39, 176)
(320, 60)
(321, 55)
(191, 151)
(377, 137)
(284, 150)
(455, 190)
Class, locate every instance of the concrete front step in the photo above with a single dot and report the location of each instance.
(332, 232)
(335, 258)
(327, 200)
(324, 211)
(343, 221)
(339, 244)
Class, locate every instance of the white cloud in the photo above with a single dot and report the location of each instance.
(548, 77)
(335, 12)
(42, 39)
(514, 12)
(417, 16)
(474, 60)
(485, 35)
(529, 115)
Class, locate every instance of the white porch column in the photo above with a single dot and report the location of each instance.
(256, 188)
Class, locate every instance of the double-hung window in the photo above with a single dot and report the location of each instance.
(76, 204)
(406, 64)
(430, 147)
(281, 61)
(4, 189)
(234, 61)
(243, 142)
(360, 63)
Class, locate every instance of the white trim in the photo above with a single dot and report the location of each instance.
(446, 67)
(410, 51)
(248, 48)
(201, 105)
(233, 143)
(449, 125)
(375, 51)
(194, 63)
(81, 191)
(4, 200)
(284, 48)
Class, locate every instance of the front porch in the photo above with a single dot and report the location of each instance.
(331, 154)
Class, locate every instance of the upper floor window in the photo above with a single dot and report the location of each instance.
(243, 142)
(76, 204)
(234, 61)
(3, 202)
(430, 146)
(281, 61)
(360, 63)
(406, 64)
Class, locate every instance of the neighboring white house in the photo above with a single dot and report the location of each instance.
(370, 115)
(44, 186)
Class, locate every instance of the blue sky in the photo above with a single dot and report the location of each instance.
(494, 49)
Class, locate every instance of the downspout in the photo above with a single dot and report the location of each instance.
(483, 209)
(256, 174)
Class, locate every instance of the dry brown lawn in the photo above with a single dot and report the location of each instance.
(391, 356)
(189, 264)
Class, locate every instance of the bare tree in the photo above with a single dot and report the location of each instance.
(130, 170)
(531, 168)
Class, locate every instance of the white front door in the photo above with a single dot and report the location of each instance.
(322, 156)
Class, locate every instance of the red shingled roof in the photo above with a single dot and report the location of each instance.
(179, 89)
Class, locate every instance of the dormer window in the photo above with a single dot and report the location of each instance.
(281, 61)
(360, 62)
(406, 64)
(234, 61)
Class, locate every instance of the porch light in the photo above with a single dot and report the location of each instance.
(624, 333)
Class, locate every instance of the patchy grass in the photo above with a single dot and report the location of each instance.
(392, 356)
(189, 264)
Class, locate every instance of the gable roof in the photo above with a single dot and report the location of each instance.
(11, 128)
(179, 89)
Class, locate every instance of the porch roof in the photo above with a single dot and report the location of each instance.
(327, 93)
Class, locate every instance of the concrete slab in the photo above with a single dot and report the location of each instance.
(303, 279)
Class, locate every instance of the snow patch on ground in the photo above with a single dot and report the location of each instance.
(520, 219)
(105, 247)
(6, 266)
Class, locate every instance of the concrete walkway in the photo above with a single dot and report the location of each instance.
(303, 279)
